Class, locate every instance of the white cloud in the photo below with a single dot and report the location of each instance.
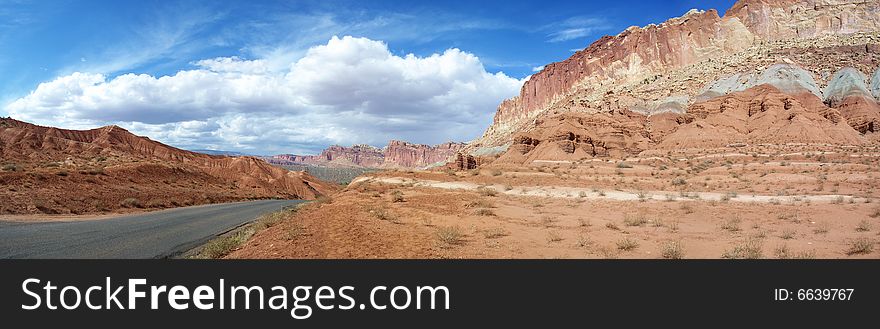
(349, 90)
(537, 68)
(574, 28)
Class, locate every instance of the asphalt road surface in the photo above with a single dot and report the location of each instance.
(158, 234)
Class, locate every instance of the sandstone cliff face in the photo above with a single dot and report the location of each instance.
(398, 154)
(646, 69)
(335, 155)
(409, 155)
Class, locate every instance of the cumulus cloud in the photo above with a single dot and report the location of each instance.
(349, 90)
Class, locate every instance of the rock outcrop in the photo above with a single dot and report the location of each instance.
(669, 66)
(761, 115)
(335, 155)
(398, 154)
(408, 155)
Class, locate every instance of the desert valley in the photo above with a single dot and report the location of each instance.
(750, 133)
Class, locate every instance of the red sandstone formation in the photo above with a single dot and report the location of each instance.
(643, 67)
(109, 165)
(397, 154)
(357, 155)
(408, 155)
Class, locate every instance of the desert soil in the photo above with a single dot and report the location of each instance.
(787, 203)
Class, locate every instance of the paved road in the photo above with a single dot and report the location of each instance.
(157, 234)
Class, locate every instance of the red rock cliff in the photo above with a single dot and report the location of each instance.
(408, 155)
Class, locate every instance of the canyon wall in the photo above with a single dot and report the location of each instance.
(667, 65)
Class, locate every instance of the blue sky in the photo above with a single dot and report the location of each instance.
(125, 57)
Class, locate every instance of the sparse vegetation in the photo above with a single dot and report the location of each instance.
(479, 203)
(731, 225)
(494, 233)
(634, 220)
(787, 234)
(749, 249)
(863, 226)
(487, 191)
(132, 203)
(484, 212)
(383, 214)
(627, 244)
(450, 235)
(584, 241)
(223, 245)
(687, 208)
(554, 237)
(861, 245)
(397, 196)
(672, 250)
(624, 165)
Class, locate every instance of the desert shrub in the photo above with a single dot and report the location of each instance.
(479, 203)
(132, 203)
(397, 196)
(554, 237)
(782, 252)
(627, 244)
(383, 214)
(787, 234)
(584, 241)
(494, 233)
(749, 249)
(860, 245)
(679, 181)
(612, 226)
(486, 191)
(484, 212)
(582, 194)
(634, 220)
(496, 172)
(672, 250)
(9, 167)
(450, 235)
(863, 226)
(731, 225)
(688, 209)
(623, 165)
